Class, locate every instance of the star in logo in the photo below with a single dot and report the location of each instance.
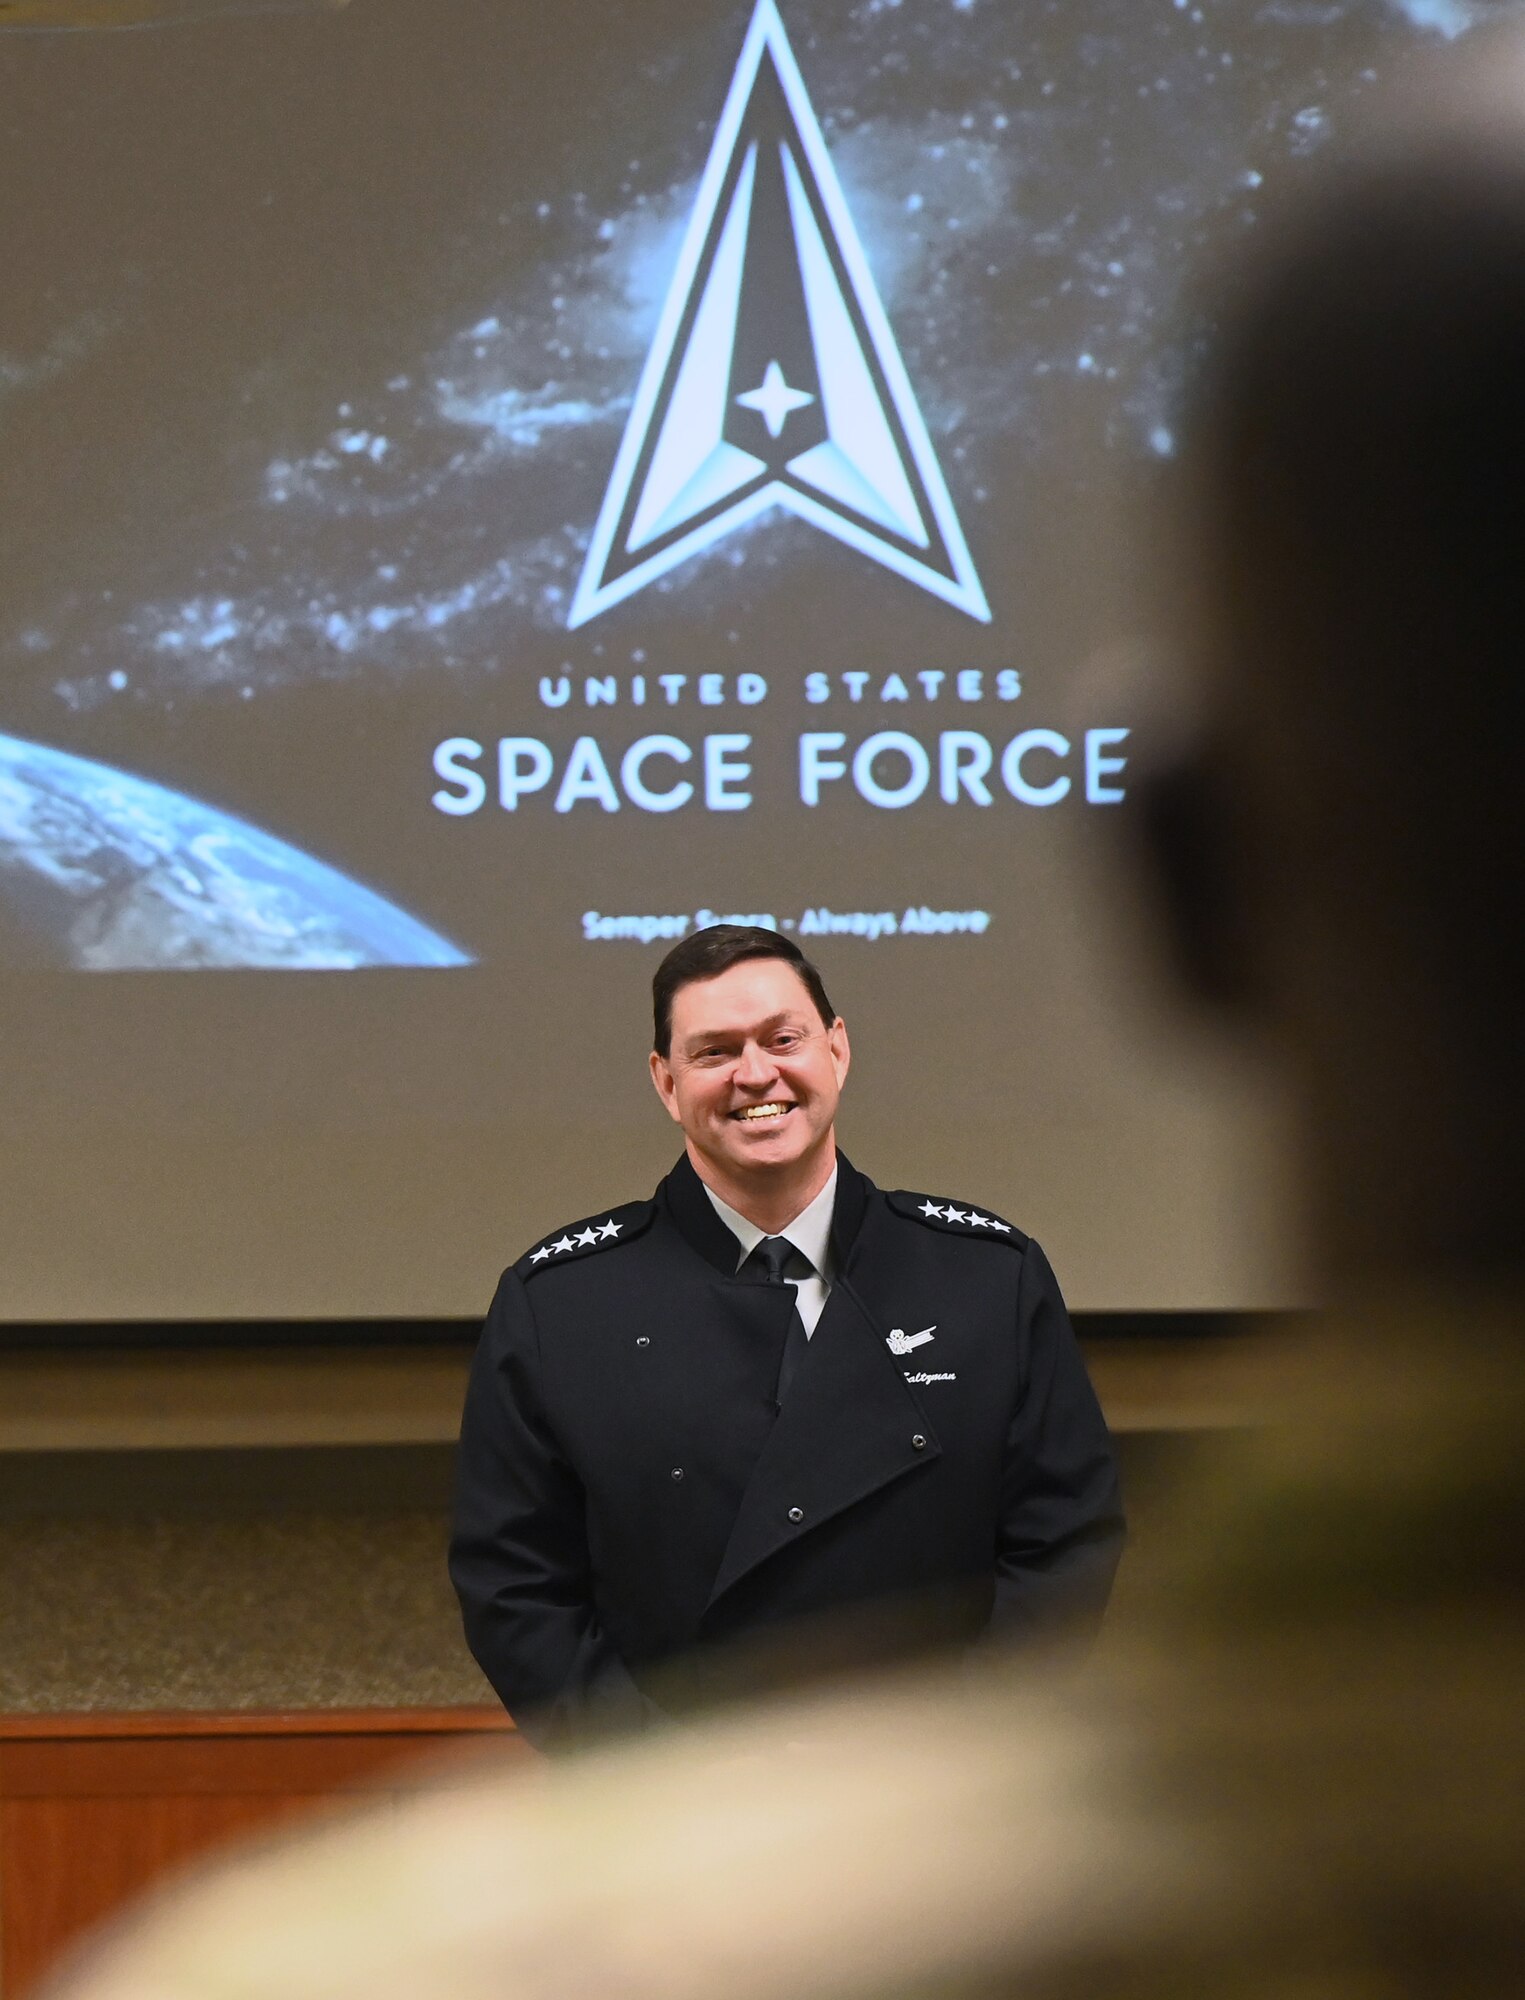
(774, 379)
(587, 1236)
(979, 1221)
(955, 1215)
(930, 1208)
(611, 1228)
(775, 402)
(566, 1243)
(541, 1254)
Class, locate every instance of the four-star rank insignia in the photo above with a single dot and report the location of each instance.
(580, 1239)
(957, 1218)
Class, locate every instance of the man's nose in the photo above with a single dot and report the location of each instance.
(756, 1069)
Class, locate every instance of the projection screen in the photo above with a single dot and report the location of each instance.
(488, 488)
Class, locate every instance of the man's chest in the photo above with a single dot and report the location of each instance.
(953, 1337)
(684, 1356)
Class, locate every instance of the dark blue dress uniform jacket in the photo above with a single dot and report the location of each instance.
(630, 1494)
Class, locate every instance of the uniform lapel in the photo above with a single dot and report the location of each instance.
(850, 1425)
(684, 1197)
(697, 1220)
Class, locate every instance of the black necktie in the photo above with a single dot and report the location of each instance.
(773, 1259)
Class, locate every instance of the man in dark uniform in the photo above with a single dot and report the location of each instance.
(770, 1393)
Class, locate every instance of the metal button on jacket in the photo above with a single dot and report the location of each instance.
(918, 1443)
(796, 1513)
(677, 1472)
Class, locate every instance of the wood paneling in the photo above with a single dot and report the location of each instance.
(95, 1809)
(124, 1398)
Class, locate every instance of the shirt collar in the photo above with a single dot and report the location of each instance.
(809, 1232)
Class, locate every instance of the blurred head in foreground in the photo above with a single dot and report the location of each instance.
(1300, 1774)
(1346, 857)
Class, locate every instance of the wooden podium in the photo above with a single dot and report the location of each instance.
(95, 1808)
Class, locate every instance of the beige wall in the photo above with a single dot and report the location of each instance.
(168, 1399)
(412, 1395)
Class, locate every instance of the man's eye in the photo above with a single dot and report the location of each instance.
(785, 1041)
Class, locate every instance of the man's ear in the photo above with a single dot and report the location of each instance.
(841, 1052)
(662, 1083)
(1196, 854)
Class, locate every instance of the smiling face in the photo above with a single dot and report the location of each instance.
(753, 1076)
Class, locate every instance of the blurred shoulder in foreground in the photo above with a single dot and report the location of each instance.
(1301, 1775)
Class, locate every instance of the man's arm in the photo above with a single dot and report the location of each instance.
(1061, 1530)
(519, 1553)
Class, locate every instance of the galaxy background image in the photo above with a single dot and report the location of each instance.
(318, 337)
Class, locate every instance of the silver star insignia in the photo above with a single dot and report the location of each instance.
(1004, 1227)
(930, 1208)
(611, 1228)
(566, 1243)
(541, 1254)
(980, 1221)
(955, 1215)
(587, 1236)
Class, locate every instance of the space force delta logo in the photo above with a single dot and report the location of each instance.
(774, 379)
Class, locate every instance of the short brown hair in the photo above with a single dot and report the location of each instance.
(708, 953)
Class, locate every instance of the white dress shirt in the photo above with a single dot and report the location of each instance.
(809, 1232)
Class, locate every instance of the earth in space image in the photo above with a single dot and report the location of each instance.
(103, 871)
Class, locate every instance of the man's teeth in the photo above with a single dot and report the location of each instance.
(753, 1112)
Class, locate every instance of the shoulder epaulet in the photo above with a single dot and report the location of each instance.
(955, 1218)
(603, 1230)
